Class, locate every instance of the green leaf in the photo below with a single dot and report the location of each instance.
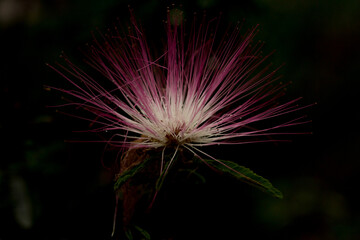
(126, 175)
(129, 235)
(143, 232)
(246, 175)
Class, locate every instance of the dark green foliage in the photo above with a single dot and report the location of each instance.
(137, 233)
(143, 232)
(129, 173)
(246, 175)
(240, 172)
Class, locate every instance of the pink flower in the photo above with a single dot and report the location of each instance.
(195, 93)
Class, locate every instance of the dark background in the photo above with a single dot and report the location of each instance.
(50, 189)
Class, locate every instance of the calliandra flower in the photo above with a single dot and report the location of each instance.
(199, 91)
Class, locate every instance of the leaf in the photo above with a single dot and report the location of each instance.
(126, 175)
(137, 230)
(246, 175)
(143, 232)
(129, 235)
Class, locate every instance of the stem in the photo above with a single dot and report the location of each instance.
(115, 214)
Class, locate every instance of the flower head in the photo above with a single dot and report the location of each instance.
(197, 92)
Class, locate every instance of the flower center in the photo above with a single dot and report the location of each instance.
(171, 140)
(174, 139)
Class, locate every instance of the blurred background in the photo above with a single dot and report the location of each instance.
(53, 189)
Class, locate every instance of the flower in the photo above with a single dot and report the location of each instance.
(198, 92)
